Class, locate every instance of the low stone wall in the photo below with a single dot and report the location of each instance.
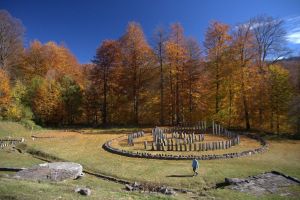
(8, 142)
(107, 146)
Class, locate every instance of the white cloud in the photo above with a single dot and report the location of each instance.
(293, 29)
(293, 37)
(292, 18)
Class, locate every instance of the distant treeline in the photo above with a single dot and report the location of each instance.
(234, 78)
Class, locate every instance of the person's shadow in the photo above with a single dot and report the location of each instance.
(180, 176)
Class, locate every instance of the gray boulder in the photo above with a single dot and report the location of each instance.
(57, 171)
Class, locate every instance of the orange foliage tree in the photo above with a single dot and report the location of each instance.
(217, 40)
(137, 58)
(107, 67)
(4, 92)
(234, 82)
(47, 102)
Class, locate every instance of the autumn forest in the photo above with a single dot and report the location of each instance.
(237, 77)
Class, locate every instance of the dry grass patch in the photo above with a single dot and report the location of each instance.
(87, 150)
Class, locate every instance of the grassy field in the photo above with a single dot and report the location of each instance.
(101, 189)
(21, 189)
(86, 149)
(13, 129)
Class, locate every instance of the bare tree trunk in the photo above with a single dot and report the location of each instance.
(217, 89)
(246, 112)
(135, 97)
(161, 87)
(104, 109)
(277, 123)
(177, 105)
(298, 118)
(260, 106)
(298, 125)
(138, 96)
(272, 120)
(245, 103)
(160, 38)
(190, 100)
(230, 105)
(171, 97)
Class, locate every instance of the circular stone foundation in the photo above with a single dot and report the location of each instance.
(181, 143)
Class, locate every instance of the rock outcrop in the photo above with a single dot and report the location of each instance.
(150, 188)
(57, 171)
(266, 183)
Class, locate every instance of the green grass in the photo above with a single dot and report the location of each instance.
(21, 189)
(9, 158)
(282, 156)
(13, 129)
(86, 149)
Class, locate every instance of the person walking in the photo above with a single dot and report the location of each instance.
(195, 166)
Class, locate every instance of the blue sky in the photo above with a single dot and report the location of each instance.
(82, 25)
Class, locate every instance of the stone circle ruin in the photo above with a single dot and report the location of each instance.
(192, 138)
(183, 139)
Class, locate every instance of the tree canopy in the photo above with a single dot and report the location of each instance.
(234, 78)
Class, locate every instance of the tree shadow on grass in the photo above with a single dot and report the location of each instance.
(180, 176)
